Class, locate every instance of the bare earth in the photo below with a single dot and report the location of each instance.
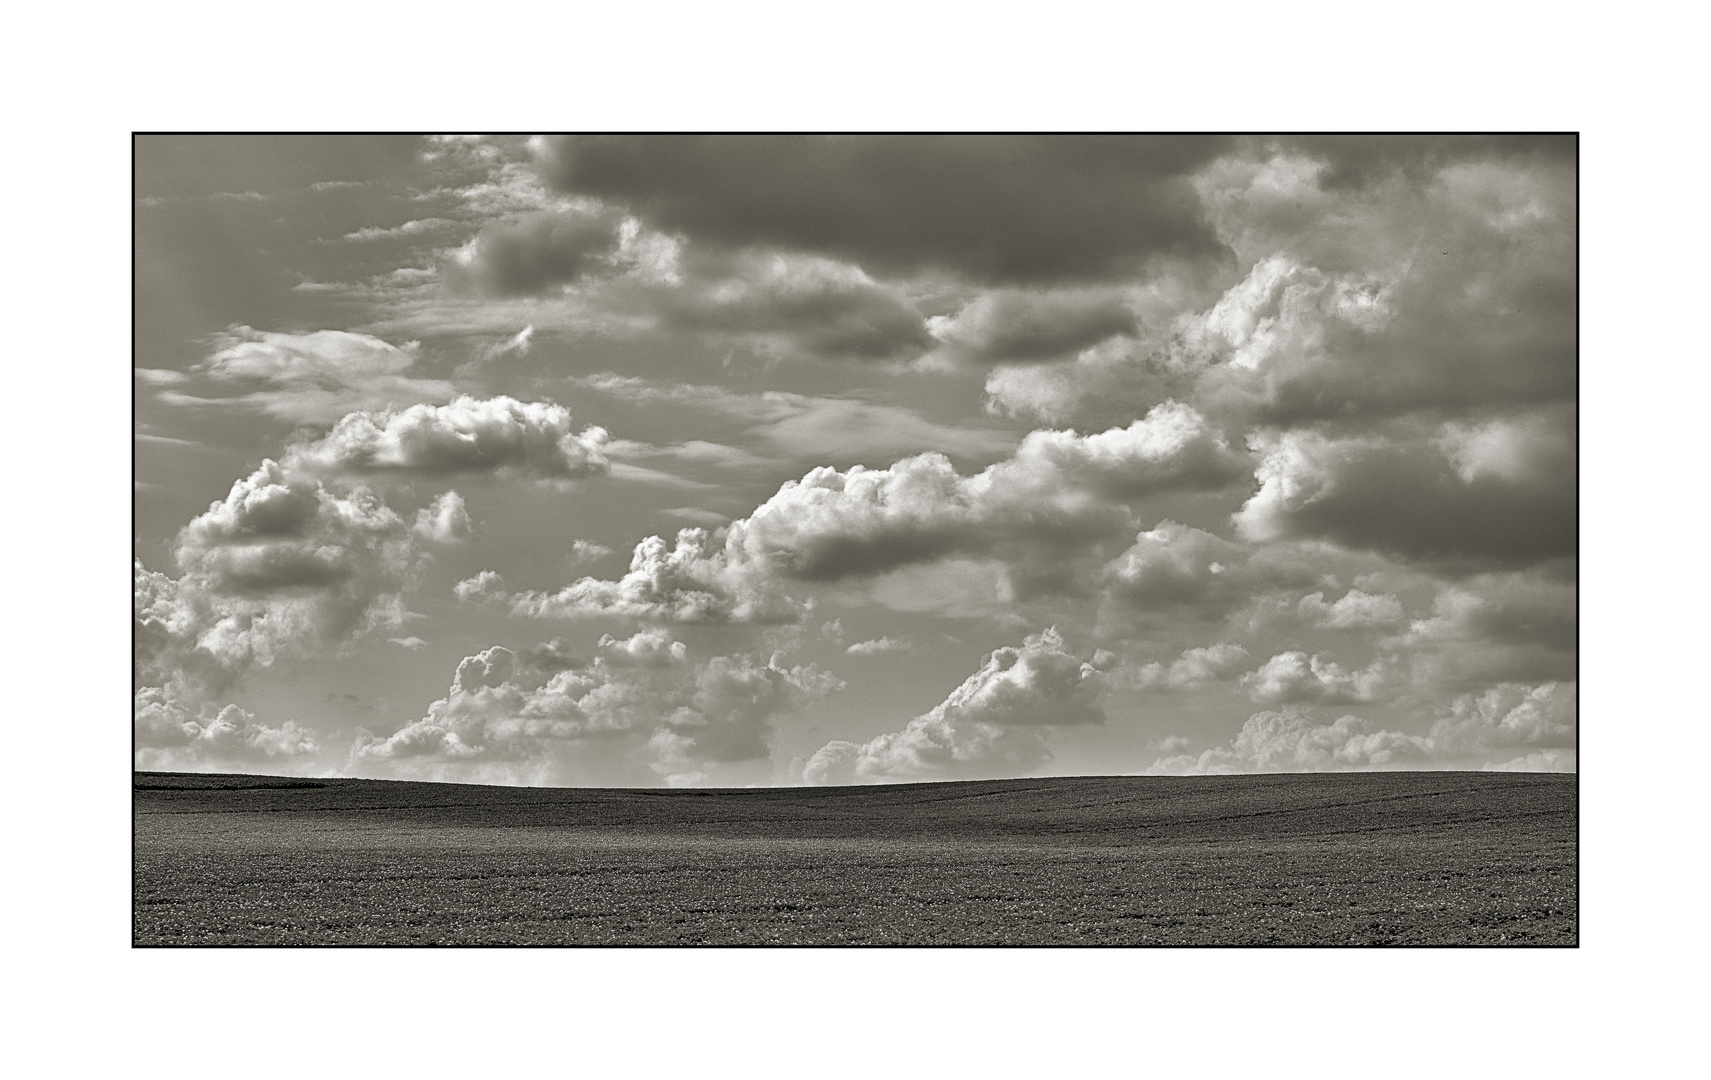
(1353, 859)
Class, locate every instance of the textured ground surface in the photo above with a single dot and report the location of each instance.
(1375, 858)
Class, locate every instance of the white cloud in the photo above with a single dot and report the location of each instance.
(1507, 727)
(171, 735)
(445, 521)
(1507, 718)
(412, 643)
(1193, 669)
(877, 645)
(692, 582)
(1499, 495)
(1296, 677)
(1291, 741)
(502, 435)
(1518, 627)
(282, 567)
(316, 377)
(1016, 324)
(1356, 610)
(1060, 494)
(1059, 489)
(161, 376)
(486, 586)
(799, 426)
(640, 711)
(588, 551)
(991, 725)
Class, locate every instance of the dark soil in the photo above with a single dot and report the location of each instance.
(1401, 858)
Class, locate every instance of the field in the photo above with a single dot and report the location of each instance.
(1354, 859)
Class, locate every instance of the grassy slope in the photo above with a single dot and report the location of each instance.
(1403, 858)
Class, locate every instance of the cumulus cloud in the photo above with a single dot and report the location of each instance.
(991, 725)
(792, 305)
(1470, 274)
(1179, 571)
(1291, 741)
(1508, 727)
(639, 711)
(588, 551)
(1503, 495)
(877, 645)
(282, 567)
(315, 378)
(1447, 287)
(1511, 719)
(445, 520)
(486, 586)
(1194, 668)
(1016, 208)
(1059, 487)
(694, 581)
(536, 253)
(502, 435)
(1059, 493)
(1296, 677)
(1013, 324)
(798, 426)
(172, 735)
(1355, 610)
(783, 304)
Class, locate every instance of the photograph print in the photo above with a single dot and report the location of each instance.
(855, 540)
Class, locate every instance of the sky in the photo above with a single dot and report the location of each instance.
(747, 460)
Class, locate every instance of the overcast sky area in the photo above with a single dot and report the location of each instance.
(647, 460)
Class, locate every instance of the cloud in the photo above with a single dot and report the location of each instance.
(282, 569)
(1363, 159)
(1447, 290)
(1296, 677)
(1518, 627)
(1174, 564)
(411, 643)
(1291, 741)
(645, 648)
(170, 735)
(317, 377)
(639, 711)
(1010, 208)
(536, 254)
(877, 645)
(792, 306)
(1060, 493)
(1193, 669)
(799, 426)
(1180, 571)
(160, 376)
(1511, 718)
(588, 551)
(501, 435)
(445, 520)
(1011, 324)
(1507, 727)
(1356, 610)
(485, 586)
(991, 725)
(1501, 495)
(1058, 489)
(691, 582)
(784, 305)
(1453, 290)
